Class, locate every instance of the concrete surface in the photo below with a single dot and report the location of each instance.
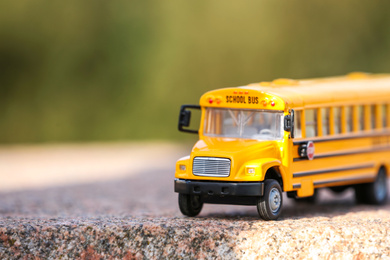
(40, 166)
(111, 201)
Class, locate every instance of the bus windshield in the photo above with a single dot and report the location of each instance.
(244, 123)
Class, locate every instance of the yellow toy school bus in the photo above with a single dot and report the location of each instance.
(292, 136)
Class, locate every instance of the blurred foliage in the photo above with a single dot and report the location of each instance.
(118, 70)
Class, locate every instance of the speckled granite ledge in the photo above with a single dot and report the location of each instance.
(349, 236)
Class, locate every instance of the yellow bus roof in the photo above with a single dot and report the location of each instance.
(351, 89)
(354, 88)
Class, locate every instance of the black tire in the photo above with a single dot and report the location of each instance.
(190, 205)
(375, 192)
(269, 206)
(339, 189)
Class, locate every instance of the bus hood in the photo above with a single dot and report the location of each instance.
(239, 150)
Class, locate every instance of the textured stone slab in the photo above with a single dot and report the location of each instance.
(351, 236)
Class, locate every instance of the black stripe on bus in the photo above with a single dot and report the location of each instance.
(370, 150)
(297, 186)
(366, 177)
(326, 139)
(329, 170)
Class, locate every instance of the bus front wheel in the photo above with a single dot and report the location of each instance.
(190, 205)
(374, 192)
(269, 206)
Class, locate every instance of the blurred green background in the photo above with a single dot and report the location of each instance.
(119, 70)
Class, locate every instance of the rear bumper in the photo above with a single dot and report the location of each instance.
(211, 188)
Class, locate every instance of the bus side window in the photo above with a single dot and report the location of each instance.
(359, 123)
(373, 113)
(367, 117)
(384, 116)
(336, 120)
(325, 121)
(311, 122)
(297, 124)
(348, 119)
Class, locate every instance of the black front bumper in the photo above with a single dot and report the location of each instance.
(220, 189)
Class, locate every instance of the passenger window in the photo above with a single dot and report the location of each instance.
(373, 116)
(311, 122)
(325, 121)
(348, 120)
(297, 124)
(336, 120)
(360, 118)
(384, 116)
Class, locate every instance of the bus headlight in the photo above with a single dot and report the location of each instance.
(250, 170)
(182, 167)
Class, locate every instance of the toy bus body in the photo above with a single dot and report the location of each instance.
(293, 136)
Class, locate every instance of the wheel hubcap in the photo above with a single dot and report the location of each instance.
(380, 186)
(274, 200)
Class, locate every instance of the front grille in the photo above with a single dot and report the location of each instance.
(211, 166)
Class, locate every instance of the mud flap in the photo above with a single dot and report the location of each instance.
(306, 190)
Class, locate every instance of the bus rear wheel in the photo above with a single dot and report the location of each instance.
(190, 205)
(375, 192)
(269, 206)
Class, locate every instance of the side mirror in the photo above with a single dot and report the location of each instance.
(185, 118)
(289, 123)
